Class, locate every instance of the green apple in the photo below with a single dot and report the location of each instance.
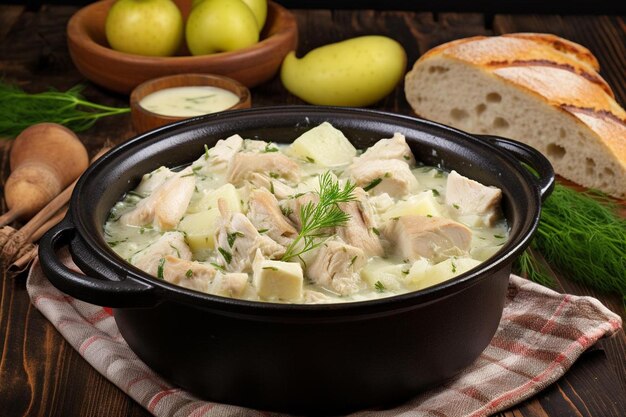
(258, 7)
(220, 26)
(145, 27)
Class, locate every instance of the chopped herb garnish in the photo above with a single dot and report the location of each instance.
(217, 266)
(406, 157)
(380, 287)
(231, 237)
(228, 257)
(160, 268)
(453, 266)
(376, 231)
(261, 231)
(438, 174)
(498, 236)
(176, 249)
(323, 215)
(114, 243)
(189, 273)
(272, 187)
(206, 152)
(271, 268)
(435, 192)
(373, 184)
(269, 148)
(311, 160)
(196, 168)
(387, 175)
(286, 210)
(353, 260)
(274, 175)
(188, 175)
(456, 206)
(405, 271)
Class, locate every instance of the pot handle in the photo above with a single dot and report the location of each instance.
(125, 293)
(538, 165)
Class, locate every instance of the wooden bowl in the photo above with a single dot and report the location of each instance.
(121, 72)
(144, 120)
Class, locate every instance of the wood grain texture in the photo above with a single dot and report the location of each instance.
(41, 375)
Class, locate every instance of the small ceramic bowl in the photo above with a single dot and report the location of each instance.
(144, 120)
(121, 72)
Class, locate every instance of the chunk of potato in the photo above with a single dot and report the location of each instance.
(199, 229)
(277, 280)
(323, 145)
(423, 275)
(228, 192)
(423, 204)
(384, 272)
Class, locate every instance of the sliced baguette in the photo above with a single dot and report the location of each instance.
(537, 88)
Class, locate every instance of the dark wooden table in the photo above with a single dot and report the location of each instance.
(41, 375)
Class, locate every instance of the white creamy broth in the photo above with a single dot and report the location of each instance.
(232, 222)
(189, 101)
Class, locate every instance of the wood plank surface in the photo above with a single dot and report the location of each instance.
(41, 375)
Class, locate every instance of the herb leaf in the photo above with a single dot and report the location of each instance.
(373, 184)
(19, 109)
(160, 268)
(228, 257)
(325, 214)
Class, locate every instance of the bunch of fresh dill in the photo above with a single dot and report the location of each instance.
(315, 218)
(19, 110)
(582, 235)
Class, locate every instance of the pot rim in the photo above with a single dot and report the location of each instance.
(167, 291)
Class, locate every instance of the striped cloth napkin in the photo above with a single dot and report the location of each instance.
(540, 335)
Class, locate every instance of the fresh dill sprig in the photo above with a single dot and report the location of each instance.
(581, 234)
(317, 217)
(19, 110)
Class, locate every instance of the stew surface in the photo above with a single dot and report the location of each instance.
(316, 221)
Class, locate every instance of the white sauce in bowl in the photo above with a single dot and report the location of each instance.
(189, 101)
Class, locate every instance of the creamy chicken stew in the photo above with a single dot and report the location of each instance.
(316, 221)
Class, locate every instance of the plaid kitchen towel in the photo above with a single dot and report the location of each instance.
(540, 335)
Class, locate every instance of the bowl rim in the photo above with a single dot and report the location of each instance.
(234, 86)
(79, 36)
(381, 306)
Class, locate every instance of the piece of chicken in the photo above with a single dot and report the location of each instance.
(273, 185)
(166, 205)
(390, 176)
(361, 229)
(153, 180)
(238, 239)
(337, 266)
(230, 284)
(169, 244)
(274, 164)
(435, 238)
(265, 214)
(219, 157)
(392, 148)
(292, 207)
(188, 274)
(471, 197)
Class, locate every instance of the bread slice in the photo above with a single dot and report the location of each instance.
(537, 88)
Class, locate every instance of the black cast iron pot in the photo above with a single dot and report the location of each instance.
(320, 359)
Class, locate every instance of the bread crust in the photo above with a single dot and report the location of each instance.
(554, 70)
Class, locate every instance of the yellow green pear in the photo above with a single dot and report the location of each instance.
(355, 72)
